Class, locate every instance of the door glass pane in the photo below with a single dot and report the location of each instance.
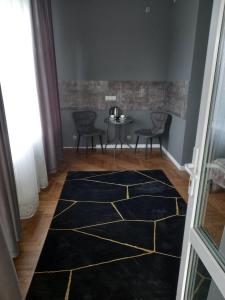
(203, 285)
(211, 217)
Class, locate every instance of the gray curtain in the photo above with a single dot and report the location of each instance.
(9, 286)
(47, 82)
(9, 211)
(9, 216)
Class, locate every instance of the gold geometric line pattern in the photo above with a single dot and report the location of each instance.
(128, 196)
(113, 205)
(125, 244)
(119, 184)
(113, 241)
(165, 254)
(169, 217)
(177, 208)
(93, 176)
(63, 210)
(155, 179)
(117, 221)
(144, 195)
(89, 201)
(124, 199)
(95, 265)
(68, 287)
(61, 229)
(67, 200)
(106, 262)
(136, 220)
(98, 202)
(134, 197)
(140, 183)
(79, 229)
(100, 224)
(111, 183)
(117, 172)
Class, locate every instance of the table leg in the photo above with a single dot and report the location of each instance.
(146, 149)
(117, 138)
(115, 150)
(120, 137)
(107, 136)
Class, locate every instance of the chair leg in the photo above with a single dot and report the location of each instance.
(151, 143)
(146, 149)
(86, 146)
(160, 145)
(78, 142)
(136, 143)
(100, 139)
(115, 150)
(92, 142)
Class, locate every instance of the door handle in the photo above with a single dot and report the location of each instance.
(191, 187)
(195, 161)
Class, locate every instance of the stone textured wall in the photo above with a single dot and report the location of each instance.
(131, 95)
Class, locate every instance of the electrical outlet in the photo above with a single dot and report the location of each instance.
(147, 9)
(74, 137)
(129, 137)
(110, 98)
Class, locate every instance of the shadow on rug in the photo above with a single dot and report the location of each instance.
(114, 235)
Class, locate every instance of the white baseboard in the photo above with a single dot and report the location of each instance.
(112, 146)
(142, 146)
(173, 160)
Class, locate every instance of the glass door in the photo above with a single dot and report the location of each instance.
(202, 271)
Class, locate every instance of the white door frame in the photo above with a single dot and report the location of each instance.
(191, 236)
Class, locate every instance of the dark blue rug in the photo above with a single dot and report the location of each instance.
(114, 235)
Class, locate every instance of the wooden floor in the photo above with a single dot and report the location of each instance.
(214, 218)
(34, 230)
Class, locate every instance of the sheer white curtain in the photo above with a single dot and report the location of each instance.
(17, 75)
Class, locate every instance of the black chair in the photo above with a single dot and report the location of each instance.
(157, 129)
(85, 127)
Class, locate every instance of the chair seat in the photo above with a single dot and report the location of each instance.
(144, 132)
(92, 132)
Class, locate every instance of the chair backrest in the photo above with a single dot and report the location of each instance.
(84, 120)
(159, 119)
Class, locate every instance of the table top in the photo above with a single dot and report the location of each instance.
(119, 122)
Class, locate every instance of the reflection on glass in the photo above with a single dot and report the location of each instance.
(204, 287)
(213, 184)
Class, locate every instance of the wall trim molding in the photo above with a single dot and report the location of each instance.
(173, 160)
(142, 146)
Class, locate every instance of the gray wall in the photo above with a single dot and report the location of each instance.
(117, 40)
(184, 20)
(195, 87)
(190, 28)
(183, 30)
(112, 39)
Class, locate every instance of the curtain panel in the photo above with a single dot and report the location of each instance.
(9, 285)
(9, 210)
(47, 83)
(9, 217)
(19, 91)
